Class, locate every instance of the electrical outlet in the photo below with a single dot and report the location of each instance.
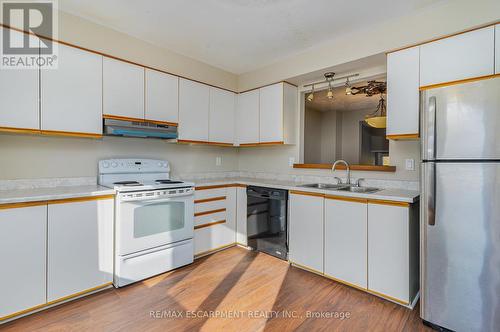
(218, 161)
(291, 161)
(410, 164)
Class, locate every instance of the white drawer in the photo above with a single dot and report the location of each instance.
(209, 193)
(209, 218)
(213, 237)
(211, 205)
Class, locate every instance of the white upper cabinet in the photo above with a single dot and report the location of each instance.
(346, 241)
(19, 96)
(23, 234)
(497, 49)
(463, 56)
(162, 97)
(80, 246)
(71, 95)
(306, 231)
(271, 113)
(403, 92)
(221, 116)
(247, 117)
(123, 89)
(194, 104)
(278, 111)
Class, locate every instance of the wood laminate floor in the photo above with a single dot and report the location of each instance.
(254, 291)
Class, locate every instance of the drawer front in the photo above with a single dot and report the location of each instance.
(209, 193)
(212, 238)
(217, 203)
(209, 218)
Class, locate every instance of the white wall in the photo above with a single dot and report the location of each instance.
(24, 156)
(312, 136)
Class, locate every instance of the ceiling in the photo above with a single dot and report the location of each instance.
(239, 35)
(341, 101)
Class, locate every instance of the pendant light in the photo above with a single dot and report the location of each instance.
(348, 90)
(310, 96)
(329, 78)
(378, 119)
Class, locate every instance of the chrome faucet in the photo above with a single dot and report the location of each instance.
(347, 169)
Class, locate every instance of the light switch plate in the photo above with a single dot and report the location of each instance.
(410, 164)
(218, 161)
(291, 161)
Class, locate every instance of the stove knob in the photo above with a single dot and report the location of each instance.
(113, 164)
(105, 164)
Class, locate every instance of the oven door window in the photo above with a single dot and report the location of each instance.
(157, 218)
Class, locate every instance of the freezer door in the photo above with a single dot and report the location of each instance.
(462, 121)
(460, 251)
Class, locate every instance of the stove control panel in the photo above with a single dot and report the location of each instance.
(156, 194)
(111, 166)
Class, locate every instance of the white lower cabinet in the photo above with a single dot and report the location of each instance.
(346, 239)
(23, 234)
(241, 215)
(80, 246)
(393, 251)
(215, 219)
(306, 230)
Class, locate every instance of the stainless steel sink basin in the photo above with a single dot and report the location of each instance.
(364, 190)
(324, 186)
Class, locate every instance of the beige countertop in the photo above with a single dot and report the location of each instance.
(398, 195)
(52, 193)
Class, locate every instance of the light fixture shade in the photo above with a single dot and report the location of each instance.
(377, 122)
(310, 96)
(348, 91)
(329, 95)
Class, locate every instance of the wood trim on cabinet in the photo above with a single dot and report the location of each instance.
(62, 299)
(20, 130)
(210, 224)
(443, 37)
(466, 80)
(217, 186)
(347, 198)
(70, 134)
(197, 214)
(246, 145)
(21, 205)
(387, 297)
(368, 168)
(403, 136)
(306, 268)
(213, 251)
(125, 118)
(205, 200)
(306, 193)
(387, 202)
(80, 199)
(345, 282)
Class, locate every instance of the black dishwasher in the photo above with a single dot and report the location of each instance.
(267, 226)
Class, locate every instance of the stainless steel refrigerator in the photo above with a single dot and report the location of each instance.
(460, 206)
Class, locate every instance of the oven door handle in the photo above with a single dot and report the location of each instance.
(163, 200)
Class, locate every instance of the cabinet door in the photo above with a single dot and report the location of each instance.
(346, 241)
(23, 233)
(402, 92)
(388, 251)
(241, 215)
(247, 117)
(459, 57)
(19, 95)
(306, 231)
(162, 96)
(271, 113)
(194, 100)
(123, 89)
(221, 118)
(497, 49)
(71, 99)
(80, 246)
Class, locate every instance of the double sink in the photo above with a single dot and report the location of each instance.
(342, 187)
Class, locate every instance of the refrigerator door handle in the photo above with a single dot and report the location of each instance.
(431, 194)
(431, 132)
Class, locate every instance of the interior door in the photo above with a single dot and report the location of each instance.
(467, 121)
(461, 246)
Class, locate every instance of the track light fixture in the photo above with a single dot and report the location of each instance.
(310, 96)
